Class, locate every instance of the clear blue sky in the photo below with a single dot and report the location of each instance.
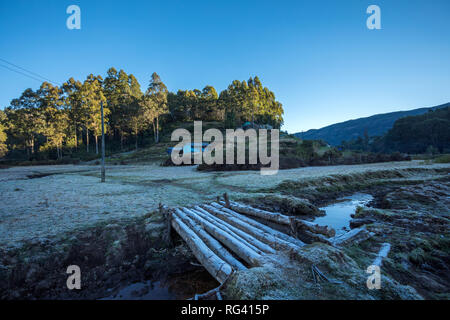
(318, 57)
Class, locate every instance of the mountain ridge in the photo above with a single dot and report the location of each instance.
(376, 125)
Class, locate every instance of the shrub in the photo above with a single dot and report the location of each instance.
(443, 159)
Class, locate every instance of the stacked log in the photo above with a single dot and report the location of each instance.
(235, 244)
(251, 241)
(212, 243)
(261, 226)
(282, 219)
(266, 235)
(225, 239)
(218, 268)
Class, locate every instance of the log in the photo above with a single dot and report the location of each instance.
(299, 225)
(252, 241)
(223, 226)
(310, 237)
(260, 234)
(293, 222)
(238, 247)
(356, 223)
(218, 268)
(383, 253)
(263, 214)
(261, 226)
(354, 236)
(212, 243)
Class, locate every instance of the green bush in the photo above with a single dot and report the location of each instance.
(443, 159)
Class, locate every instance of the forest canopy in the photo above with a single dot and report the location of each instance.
(419, 134)
(55, 120)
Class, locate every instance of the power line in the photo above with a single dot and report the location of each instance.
(30, 72)
(24, 74)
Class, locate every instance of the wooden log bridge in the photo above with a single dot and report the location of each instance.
(225, 236)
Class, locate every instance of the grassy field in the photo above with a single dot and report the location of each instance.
(45, 201)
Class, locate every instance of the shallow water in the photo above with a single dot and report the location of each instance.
(144, 291)
(175, 287)
(338, 214)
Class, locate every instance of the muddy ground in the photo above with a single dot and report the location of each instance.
(56, 216)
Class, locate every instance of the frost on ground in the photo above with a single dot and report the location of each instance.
(42, 202)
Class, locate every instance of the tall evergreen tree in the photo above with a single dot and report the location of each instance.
(72, 103)
(135, 87)
(56, 119)
(3, 136)
(157, 92)
(208, 100)
(25, 119)
(92, 97)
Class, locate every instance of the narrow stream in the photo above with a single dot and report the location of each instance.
(144, 291)
(338, 214)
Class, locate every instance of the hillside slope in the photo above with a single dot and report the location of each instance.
(375, 125)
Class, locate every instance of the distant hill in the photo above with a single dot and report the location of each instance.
(375, 125)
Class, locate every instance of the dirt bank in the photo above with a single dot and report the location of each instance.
(110, 256)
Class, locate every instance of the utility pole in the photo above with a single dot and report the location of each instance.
(103, 143)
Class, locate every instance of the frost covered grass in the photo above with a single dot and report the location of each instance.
(60, 199)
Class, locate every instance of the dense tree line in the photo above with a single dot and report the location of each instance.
(54, 120)
(242, 101)
(416, 134)
(426, 133)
